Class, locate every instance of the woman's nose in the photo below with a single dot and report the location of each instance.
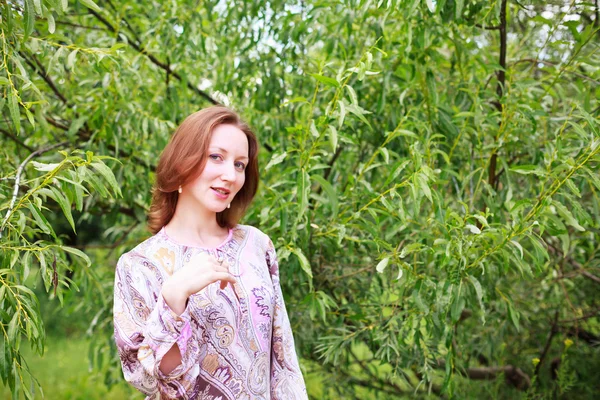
(228, 172)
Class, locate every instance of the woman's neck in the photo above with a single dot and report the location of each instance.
(196, 228)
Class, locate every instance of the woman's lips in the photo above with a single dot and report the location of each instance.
(222, 196)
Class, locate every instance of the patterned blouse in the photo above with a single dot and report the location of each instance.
(235, 343)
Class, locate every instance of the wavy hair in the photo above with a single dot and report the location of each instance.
(184, 158)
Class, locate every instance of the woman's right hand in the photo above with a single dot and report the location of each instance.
(202, 270)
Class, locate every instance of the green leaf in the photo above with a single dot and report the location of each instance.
(89, 4)
(479, 294)
(473, 229)
(313, 129)
(567, 216)
(30, 117)
(276, 159)
(399, 167)
(40, 220)
(29, 15)
(422, 181)
(303, 187)
(330, 191)
(514, 316)
(326, 80)
(518, 246)
(458, 306)
(382, 264)
(65, 205)
(13, 327)
(108, 176)
(71, 59)
(430, 6)
(360, 113)
(13, 107)
(333, 138)
(51, 23)
(77, 253)
(342, 114)
(304, 264)
(528, 169)
(353, 98)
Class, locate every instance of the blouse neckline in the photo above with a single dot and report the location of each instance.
(163, 232)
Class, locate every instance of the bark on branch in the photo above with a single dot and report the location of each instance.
(18, 179)
(553, 331)
(501, 74)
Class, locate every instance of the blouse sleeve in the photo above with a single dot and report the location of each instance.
(146, 328)
(286, 378)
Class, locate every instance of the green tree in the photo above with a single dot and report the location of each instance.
(429, 177)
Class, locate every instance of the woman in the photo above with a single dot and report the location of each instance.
(198, 309)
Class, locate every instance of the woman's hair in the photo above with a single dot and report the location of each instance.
(184, 158)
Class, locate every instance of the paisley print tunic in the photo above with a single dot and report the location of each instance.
(235, 343)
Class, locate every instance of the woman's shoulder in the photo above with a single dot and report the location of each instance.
(145, 249)
(254, 231)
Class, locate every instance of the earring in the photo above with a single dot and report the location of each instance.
(180, 190)
(229, 205)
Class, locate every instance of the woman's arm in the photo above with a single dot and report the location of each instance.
(146, 329)
(177, 301)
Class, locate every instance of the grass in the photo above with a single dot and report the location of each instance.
(63, 372)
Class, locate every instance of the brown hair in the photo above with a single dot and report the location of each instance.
(184, 158)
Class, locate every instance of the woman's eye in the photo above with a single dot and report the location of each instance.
(240, 165)
(214, 157)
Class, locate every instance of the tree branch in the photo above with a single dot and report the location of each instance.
(553, 331)
(585, 316)
(489, 28)
(153, 59)
(501, 74)
(41, 71)
(94, 28)
(578, 266)
(18, 179)
(552, 64)
(15, 139)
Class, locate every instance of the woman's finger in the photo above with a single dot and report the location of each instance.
(223, 276)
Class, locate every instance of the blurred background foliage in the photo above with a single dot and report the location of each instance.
(429, 177)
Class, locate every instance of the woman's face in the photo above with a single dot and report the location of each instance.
(223, 175)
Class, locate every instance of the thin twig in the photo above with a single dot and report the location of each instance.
(18, 178)
(552, 64)
(41, 71)
(585, 316)
(94, 28)
(15, 139)
(489, 28)
(553, 331)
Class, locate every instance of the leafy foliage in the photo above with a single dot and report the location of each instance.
(430, 176)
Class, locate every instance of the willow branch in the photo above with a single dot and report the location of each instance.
(574, 263)
(41, 71)
(552, 64)
(153, 59)
(592, 314)
(15, 139)
(553, 331)
(501, 74)
(18, 178)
